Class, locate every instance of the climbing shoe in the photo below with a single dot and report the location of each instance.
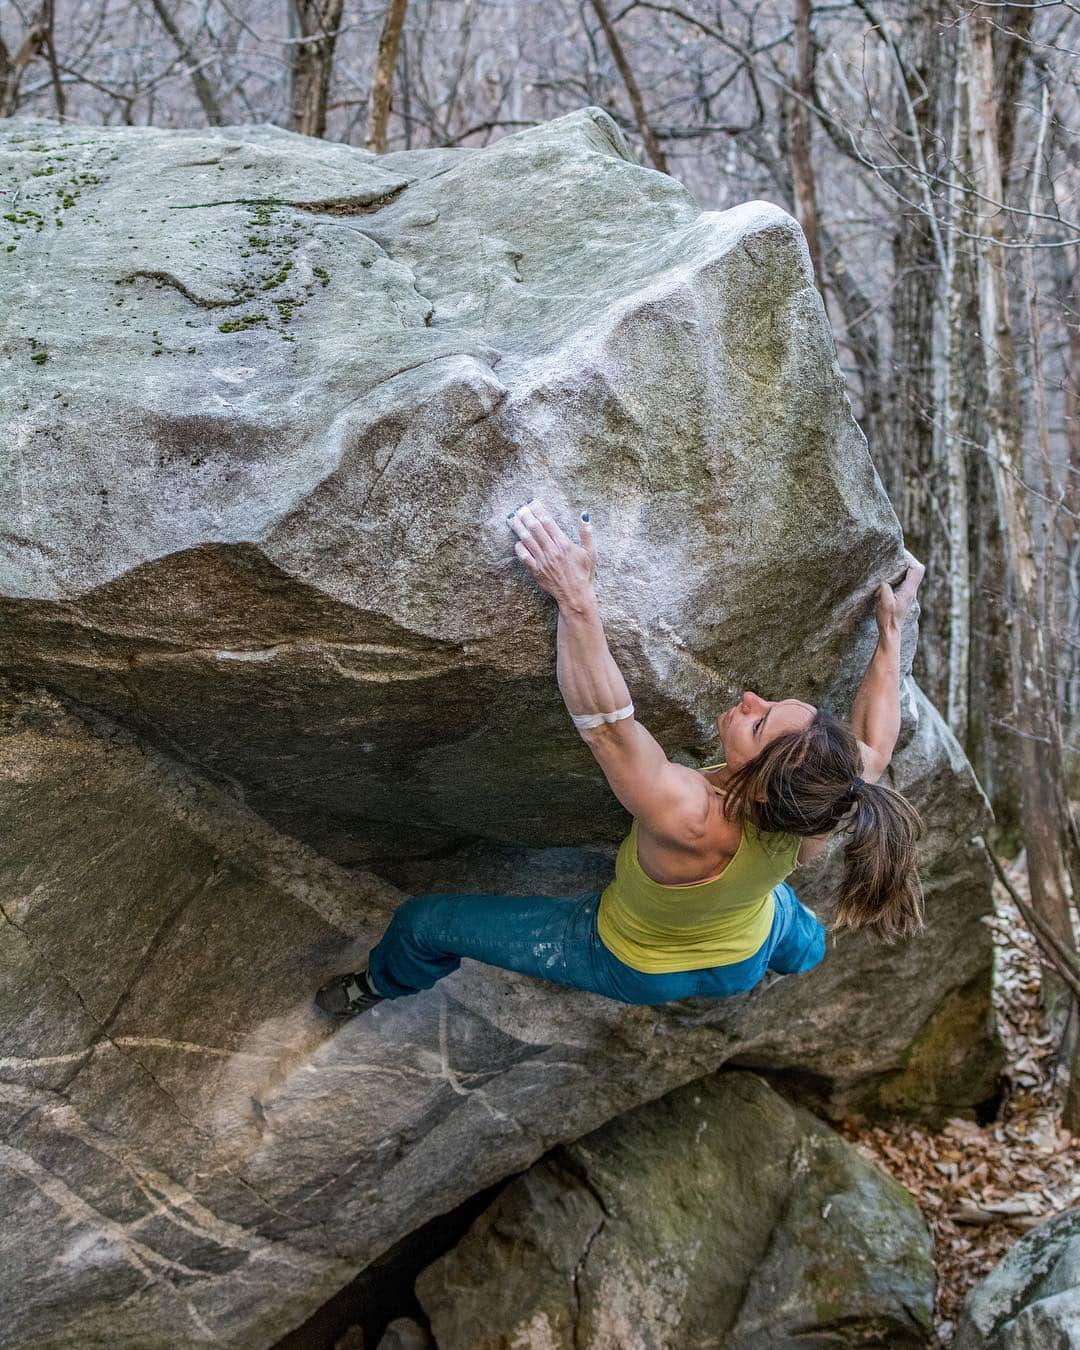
(348, 994)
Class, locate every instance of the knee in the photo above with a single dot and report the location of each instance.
(812, 953)
(799, 950)
(420, 915)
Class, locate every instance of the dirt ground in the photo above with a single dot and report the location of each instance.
(981, 1187)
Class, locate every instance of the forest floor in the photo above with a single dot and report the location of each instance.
(981, 1187)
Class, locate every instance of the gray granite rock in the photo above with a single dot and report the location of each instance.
(191, 1151)
(271, 577)
(404, 1334)
(1031, 1299)
(717, 1215)
(281, 550)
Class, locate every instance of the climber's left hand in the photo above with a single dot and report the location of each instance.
(565, 570)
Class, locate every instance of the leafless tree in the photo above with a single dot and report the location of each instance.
(802, 168)
(312, 63)
(652, 145)
(385, 61)
(34, 41)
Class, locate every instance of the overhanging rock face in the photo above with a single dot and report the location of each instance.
(270, 585)
(281, 549)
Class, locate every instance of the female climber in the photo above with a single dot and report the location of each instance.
(698, 904)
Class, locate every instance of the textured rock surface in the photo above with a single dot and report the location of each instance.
(283, 565)
(1031, 1299)
(404, 1334)
(283, 554)
(190, 1151)
(718, 1215)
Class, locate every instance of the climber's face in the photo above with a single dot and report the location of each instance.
(749, 726)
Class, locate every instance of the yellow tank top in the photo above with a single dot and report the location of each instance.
(658, 929)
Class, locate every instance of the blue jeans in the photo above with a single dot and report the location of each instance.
(555, 938)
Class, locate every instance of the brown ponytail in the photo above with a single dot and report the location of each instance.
(801, 783)
(880, 889)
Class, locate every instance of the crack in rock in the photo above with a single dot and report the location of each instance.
(170, 279)
(351, 206)
(192, 1124)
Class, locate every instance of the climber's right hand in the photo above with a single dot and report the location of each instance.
(893, 605)
(565, 570)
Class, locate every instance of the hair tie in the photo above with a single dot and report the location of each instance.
(856, 783)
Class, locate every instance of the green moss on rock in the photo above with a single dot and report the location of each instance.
(238, 325)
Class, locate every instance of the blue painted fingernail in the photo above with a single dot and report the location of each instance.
(584, 515)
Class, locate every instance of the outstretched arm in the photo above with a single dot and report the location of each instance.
(666, 797)
(875, 714)
(589, 680)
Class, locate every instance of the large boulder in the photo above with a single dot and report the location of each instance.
(262, 565)
(270, 400)
(1031, 1299)
(717, 1215)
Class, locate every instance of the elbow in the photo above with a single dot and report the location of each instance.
(875, 761)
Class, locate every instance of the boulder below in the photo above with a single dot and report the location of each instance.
(1031, 1299)
(191, 1153)
(718, 1214)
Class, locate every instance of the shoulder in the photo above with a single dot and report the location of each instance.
(668, 798)
(696, 817)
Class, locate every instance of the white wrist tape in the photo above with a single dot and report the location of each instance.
(584, 720)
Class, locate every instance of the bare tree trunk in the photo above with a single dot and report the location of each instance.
(958, 656)
(1066, 269)
(313, 62)
(292, 32)
(1012, 48)
(381, 84)
(1055, 769)
(12, 67)
(991, 696)
(914, 452)
(1042, 825)
(204, 90)
(50, 51)
(405, 86)
(1067, 264)
(652, 145)
(802, 167)
(1038, 385)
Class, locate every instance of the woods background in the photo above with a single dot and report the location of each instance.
(930, 153)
